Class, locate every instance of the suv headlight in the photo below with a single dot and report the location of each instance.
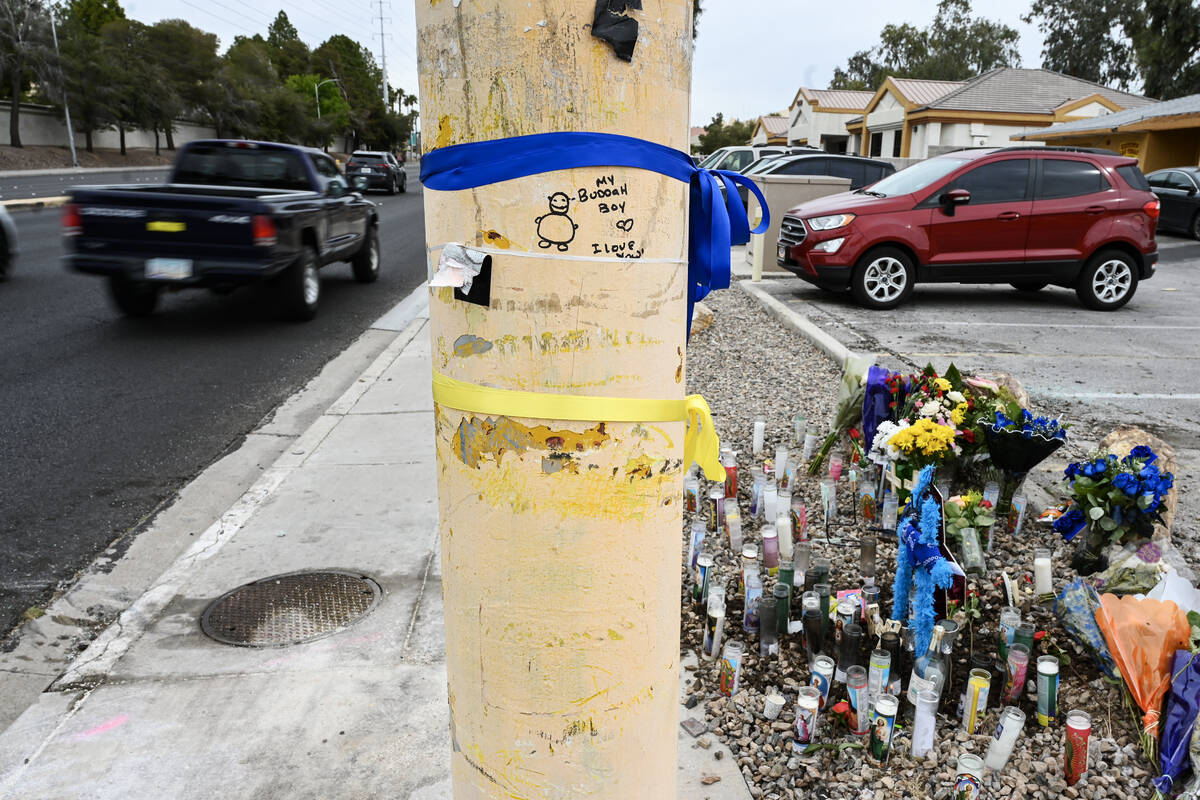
(830, 222)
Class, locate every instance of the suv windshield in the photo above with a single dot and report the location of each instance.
(918, 176)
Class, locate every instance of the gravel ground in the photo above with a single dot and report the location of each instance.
(747, 364)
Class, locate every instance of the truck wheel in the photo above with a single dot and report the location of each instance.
(300, 287)
(133, 298)
(366, 261)
(883, 278)
(1107, 282)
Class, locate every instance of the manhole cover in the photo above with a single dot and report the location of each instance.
(289, 609)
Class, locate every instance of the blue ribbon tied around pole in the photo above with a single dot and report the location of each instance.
(714, 223)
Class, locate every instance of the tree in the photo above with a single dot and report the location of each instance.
(954, 47)
(718, 134)
(288, 52)
(1119, 42)
(24, 48)
(1166, 44)
(189, 58)
(92, 15)
(1083, 38)
(360, 77)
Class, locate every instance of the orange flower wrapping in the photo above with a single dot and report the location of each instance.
(1143, 635)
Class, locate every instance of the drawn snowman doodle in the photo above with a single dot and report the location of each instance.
(556, 228)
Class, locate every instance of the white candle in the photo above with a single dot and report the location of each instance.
(1042, 582)
(781, 457)
(769, 497)
(783, 529)
(760, 432)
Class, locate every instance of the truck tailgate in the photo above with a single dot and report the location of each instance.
(169, 221)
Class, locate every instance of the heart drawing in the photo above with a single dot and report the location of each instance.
(625, 224)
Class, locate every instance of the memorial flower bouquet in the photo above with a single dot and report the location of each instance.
(1113, 500)
(1017, 441)
(968, 510)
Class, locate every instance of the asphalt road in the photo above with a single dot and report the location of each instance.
(103, 418)
(1136, 366)
(53, 185)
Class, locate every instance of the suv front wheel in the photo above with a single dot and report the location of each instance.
(883, 278)
(1108, 281)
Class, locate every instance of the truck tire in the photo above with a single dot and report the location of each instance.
(1108, 281)
(366, 261)
(300, 287)
(133, 298)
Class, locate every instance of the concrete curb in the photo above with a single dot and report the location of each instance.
(36, 173)
(796, 321)
(34, 203)
(103, 653)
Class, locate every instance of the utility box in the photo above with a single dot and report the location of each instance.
(784, 192)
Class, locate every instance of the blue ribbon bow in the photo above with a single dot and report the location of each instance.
(714, 224)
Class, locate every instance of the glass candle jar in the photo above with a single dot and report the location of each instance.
(1018, 670)
(891, 508)
(767, 639)
(1079, 730)
(770, 551)
(1043, 582)
(770, 503)
(760, 434)
(924, 723)
(1047, 691)
(783, 617)
(822, 676)
(783, 535)
(1012, 720)
(884, 723)
(731, 667)
(860, 706)
(808, 705)
(802, 559)
(866, 560)
(1010, 618)
(968, 783)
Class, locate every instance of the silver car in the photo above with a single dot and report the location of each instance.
(8, 243)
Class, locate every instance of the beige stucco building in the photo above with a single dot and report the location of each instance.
(818, 117)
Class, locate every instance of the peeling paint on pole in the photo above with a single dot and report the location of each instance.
(560, 539)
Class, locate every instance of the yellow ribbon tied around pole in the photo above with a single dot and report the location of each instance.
(700, 444)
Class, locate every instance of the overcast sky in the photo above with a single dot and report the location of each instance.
(751, 56)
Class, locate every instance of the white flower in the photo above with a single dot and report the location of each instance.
(930, 409)
(956, 397)
(880, 447)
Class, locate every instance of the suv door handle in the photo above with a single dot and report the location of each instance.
(1094, 210)
(1008, 215)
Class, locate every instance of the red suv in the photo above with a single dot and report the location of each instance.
(1027, 216)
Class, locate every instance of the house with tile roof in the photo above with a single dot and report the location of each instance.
(1160, 135)
(817, 117)
(910, 118)
(771, 129)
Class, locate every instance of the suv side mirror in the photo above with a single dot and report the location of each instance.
(360, 183)
(952, 198)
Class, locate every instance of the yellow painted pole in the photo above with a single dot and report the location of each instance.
(560, 539)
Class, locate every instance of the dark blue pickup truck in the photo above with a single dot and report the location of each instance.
(234, 212)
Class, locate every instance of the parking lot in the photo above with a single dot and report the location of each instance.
(1137, 365)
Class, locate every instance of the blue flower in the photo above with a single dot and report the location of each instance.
(1144, 453)
(1073, 469)
(1070, 523)
(1127, 483)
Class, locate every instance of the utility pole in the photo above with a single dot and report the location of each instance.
(66, 103)
(560, 538)
(383, 53)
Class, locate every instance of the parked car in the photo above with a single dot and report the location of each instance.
(234, 212)
(1178, 189)
(8, 243)
(1028, 216)
(737, 159)
(382, 170)
(861, 171)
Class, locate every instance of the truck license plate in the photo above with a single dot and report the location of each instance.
(168, 269)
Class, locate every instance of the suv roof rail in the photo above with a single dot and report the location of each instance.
(1099, 151)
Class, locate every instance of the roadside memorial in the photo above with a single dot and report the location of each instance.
(928, 634)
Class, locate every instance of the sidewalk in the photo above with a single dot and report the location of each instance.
(155, 709)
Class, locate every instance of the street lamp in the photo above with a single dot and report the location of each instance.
(317, 92)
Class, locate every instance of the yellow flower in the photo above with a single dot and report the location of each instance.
(959, 414)
(943, 384)
(924, 436)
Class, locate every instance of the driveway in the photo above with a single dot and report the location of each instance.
(1139, 365)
